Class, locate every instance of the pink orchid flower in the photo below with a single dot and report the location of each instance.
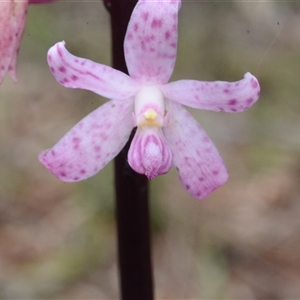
(12, 23)
(166, 135)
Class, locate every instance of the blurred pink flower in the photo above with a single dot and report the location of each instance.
(166, 135)
(12, 23)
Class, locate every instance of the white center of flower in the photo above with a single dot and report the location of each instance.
(149, 107)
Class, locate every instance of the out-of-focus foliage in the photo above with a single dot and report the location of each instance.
(58, 240)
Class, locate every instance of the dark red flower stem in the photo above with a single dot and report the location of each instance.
(132, 202)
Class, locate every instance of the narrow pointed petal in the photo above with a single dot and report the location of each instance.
(92, 143)
(201, 169)
(217, 96)
(150, 43)
(149, 153)
(12, 23)
(75, 72)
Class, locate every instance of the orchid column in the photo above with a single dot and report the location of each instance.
(132, 202)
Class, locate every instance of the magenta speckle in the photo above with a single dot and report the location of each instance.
(249, 101)
(82, 171)
(232, 102)
(145, 16)
(66, 80)
(129, 36)
(156, 23)
(205, 139)
(76, 140)
(187, 186)
(135, 27)
(201, 179)
(198, 195)
(226, 91)
(74, 77)
(167, 35)
(53, 152)
(215, 173)
(254, 83)
(62, 174)
(97, 148)
(76, 178)
(49, 57)
(62, 69)
(52, 69)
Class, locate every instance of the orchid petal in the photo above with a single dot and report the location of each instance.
(12, 23)
(75, 72)
(149, 153)
(150, 44)
(92, 143)
(201, 169)
(217, 96)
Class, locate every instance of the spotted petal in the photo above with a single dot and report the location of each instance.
(150, 43)
(201, 169)
(75, 72)
(217, 96)
(12, 23)
(92, 143)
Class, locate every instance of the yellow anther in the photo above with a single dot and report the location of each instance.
(150, 115)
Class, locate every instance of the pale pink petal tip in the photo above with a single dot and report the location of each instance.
(149, 153)
(218, 96)
(76, 72)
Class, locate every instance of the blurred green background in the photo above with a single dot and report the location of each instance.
(58, 240)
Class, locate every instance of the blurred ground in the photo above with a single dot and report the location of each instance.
(57, 240)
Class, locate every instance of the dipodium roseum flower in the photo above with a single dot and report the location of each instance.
(12, 22)
(166, 135)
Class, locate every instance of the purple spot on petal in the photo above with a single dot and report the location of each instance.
(156, 23)
(74, 77)
(232, 102)
(250, 101)
(135, 27)
(205, 139)
(145, 16)
(97, 148)
(254, 83)
(62, 69)
(167, 35)
(198, 194)
(62, 174)
(129, 36)
(216, 172)
(82, 171)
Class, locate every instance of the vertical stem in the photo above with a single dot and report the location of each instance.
(132, 203)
